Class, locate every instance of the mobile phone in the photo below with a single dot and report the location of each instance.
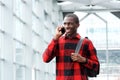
(63, 30)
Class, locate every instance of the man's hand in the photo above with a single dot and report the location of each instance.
(58, 33)
(78, 58)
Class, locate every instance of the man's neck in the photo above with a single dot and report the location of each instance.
(71, 35)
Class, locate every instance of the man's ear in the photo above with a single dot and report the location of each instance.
(78, 25)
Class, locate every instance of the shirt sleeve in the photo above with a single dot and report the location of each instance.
(92, 60)
(50, 51)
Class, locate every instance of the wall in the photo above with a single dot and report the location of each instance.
(26, 27)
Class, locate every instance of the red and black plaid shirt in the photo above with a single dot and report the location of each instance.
(66, 69)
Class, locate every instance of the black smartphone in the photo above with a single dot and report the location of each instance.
(63, 30)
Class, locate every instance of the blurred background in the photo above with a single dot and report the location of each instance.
(27, 26)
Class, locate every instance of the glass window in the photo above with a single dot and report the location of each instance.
(114, 57)
(36, 66)
(37, 73)
(35, 43)
(18, 29)
(19, 56)
(0, 17)
(37, 26)
(36, 59)
(0, 45)
(17, 9)
(100, 28)
(20, 72)
(0, 56)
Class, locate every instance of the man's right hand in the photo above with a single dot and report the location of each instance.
(58, 33)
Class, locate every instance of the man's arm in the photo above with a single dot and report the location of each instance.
(91, 62)
(51, 50)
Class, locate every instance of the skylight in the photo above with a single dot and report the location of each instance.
(64, 3)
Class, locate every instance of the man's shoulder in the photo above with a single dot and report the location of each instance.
(87, 40)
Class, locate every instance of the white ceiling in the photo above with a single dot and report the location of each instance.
(89, 5)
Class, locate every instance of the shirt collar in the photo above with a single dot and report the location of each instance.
(74, 36)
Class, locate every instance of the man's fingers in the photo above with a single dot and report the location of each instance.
(74, 56)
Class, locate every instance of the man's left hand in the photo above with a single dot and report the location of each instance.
(77, 57)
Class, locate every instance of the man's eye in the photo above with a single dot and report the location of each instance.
(71, 24)
(68, 23)
(64, 23)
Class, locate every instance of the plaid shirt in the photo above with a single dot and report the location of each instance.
(66, 69)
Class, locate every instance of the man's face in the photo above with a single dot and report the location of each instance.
(70, 25)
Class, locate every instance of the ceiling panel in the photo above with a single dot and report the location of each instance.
(89, 5)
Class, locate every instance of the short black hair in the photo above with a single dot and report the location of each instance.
(74, 16)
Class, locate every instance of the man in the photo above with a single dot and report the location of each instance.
(70, 65)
